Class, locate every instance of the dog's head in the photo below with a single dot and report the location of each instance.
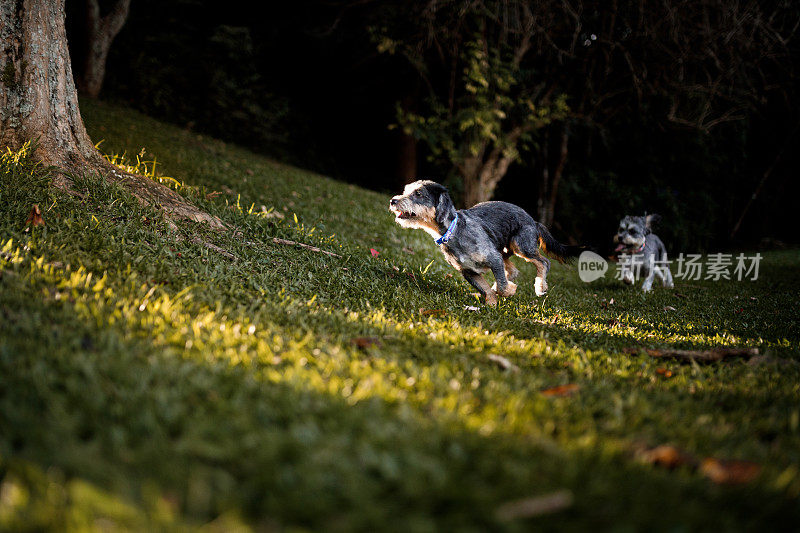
(424, 204)
(633, 230)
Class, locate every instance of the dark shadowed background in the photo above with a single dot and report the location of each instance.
(305, 83)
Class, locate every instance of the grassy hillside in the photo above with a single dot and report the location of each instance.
(148, 381)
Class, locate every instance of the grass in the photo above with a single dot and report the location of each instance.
(149, 382)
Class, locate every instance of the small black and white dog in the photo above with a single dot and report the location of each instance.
(481, 238)
(640, 250)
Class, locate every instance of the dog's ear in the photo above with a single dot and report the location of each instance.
(443, 204)
(651, 220)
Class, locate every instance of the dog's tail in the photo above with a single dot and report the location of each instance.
(563, 253)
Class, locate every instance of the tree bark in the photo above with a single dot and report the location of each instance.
(406, 163)
(39, 103)
(406, 169)
(481, 173)
(555, 179)
(551, 178)
(38, 100)
(101, 32)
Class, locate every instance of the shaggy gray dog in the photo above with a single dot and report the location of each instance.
(481, 238)
(642, 252)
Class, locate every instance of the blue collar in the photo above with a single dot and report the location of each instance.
(449, 233)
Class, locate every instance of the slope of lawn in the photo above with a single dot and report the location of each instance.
(151, 381)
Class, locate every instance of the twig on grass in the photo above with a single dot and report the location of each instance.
(535, 506)
(276, 240)
(287, 242)
(703, 356)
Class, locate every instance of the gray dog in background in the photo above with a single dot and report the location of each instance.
(481, 238)
(642, 251)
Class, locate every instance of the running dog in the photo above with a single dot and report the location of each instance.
(481, 238)
(642, 250)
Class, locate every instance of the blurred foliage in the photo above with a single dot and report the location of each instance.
(493, 103)
(204, 76)
(317, 82)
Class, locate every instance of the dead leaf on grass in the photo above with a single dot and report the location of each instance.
(667, 373)
(432, 312)
(666, 456)
(365, 342)
(561, 390)
(35, 217)
(721, 471)
(729, 472)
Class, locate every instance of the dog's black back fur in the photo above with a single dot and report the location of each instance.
(503, 221)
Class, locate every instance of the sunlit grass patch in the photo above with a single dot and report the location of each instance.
(142, 372)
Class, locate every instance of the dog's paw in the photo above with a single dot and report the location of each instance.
(540, 286)
(491, 299)
(511, 290)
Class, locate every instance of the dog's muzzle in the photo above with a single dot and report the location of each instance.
(393, 207)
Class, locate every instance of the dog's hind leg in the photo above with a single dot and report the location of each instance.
(480, 283)
(511, 271)
(525, 244)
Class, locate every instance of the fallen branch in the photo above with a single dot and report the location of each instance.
(535, 506)
(704, 356)
(286, 242)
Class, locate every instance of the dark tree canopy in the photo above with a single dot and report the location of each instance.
(676, 107)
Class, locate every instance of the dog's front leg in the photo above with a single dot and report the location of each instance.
(648, 280)
(502, 286)
(627, 274)
(480, 283)
(667, 275)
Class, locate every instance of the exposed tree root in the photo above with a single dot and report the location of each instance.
(147, 191)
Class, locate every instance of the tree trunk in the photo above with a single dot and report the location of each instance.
(101, 32)
(481, 176)
(406, 147)
(558, 172)
(542, 204)
(39, 103)
(550, 180)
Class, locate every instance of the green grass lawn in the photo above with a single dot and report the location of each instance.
(150, 382)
